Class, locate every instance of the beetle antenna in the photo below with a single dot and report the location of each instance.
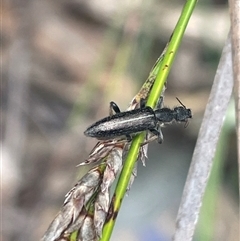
(181, 103)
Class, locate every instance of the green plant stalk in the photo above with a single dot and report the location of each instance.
(164, 68)
(171, 51)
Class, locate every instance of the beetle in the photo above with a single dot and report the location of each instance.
(131, 122)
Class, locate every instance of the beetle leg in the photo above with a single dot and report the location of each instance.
(160, 137)
(142, 103)
(129, 138)
(160, 102)
(113, 107)
(159, 134)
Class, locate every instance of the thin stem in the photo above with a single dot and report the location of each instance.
(202, 158)
(171, 51)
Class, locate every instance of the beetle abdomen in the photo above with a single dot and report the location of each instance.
(124, 123)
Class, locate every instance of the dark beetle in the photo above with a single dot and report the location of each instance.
(134, 121)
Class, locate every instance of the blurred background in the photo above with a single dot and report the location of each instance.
(62, 63)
